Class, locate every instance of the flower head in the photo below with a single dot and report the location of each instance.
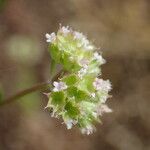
(79, 96)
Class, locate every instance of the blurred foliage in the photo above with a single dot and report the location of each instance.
(24, 49)
(1, 94)
(26, 78)
(2, 4)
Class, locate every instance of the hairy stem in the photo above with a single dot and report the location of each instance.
(40, 86)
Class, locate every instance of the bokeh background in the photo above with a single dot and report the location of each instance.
(120, 27)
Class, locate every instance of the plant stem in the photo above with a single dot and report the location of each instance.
(34, 88)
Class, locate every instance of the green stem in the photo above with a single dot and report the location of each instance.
(40, 86)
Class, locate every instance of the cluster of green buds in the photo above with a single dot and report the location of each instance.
(79, 96)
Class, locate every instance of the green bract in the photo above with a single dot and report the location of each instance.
(79, 96)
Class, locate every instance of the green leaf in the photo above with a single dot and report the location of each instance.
(58, 98)
(72, 110)
(70, 80)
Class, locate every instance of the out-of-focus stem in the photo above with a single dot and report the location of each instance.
(40, 86)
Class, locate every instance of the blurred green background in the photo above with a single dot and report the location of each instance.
(120, 27)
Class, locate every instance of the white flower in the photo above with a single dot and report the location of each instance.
(95, 115)
(65, 30)
(83, 41)
(88, 130)
(78, 35)
(84, 62)
(50, 37)
(100, 84)
(93, 95)
(59, 86)
(89, 47)
(82, 71)
(70, 123)
(99, 58)
(103, 109)
(104, 98)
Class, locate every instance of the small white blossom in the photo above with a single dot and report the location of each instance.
(104, 98)
(103, 109)
(93, 95)
(99, 58)
(103, 85)
(78, 35)
(83, 41)
(89, 47)
(88, 130)
(84, 62)
(65, 30)
(70, 123)
(82, 71)
(50, 37)
(59, 86)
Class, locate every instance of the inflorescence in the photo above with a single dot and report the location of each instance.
(78, 97)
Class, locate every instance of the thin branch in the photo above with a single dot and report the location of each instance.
(40, 86)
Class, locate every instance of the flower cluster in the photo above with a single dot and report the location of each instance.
(79, 97)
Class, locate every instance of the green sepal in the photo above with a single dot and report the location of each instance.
(86, 84)
(58, 98)
(72, 110)
(69, 65)
(70, 80)
(83, 121)
(77, 94)
(54, 52)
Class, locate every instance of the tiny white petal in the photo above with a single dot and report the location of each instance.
(59, 86)
(99, 58)
(82, 71)
(88, 130)
(50, 37)
(103, 109)
(78, 35)
(70, 123)
(84, 62)
(55, 83)
(103, 85)
(65, 30)
(93, 95)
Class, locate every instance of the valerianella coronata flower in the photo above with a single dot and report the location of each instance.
(79, 97)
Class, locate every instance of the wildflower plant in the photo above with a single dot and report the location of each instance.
(79, 96)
